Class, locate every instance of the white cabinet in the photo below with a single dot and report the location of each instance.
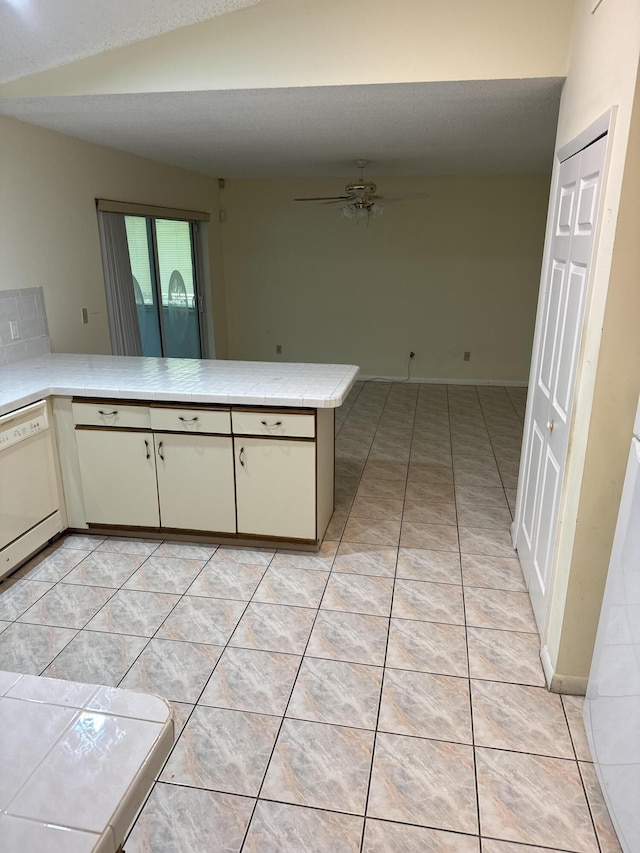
(276, 487)
(118, 473)
(141, 479)
(195, 482)
(163, 467)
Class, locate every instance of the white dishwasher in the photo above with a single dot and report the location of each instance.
(29, 499)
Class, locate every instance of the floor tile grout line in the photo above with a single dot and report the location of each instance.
(455, 503)
(53, 584)
(84, 628)
(146, 557)
(282, 720)
(580, 776)
(224, 645)
(301, 568)
(330, 811)
(375, 735)
(78, 631)
(384, 662)
(116, 590)
(471, 720)
(494, 455)
(195, 704)
(335, 571)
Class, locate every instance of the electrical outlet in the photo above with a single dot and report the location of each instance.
(14, 326)
(279, 349)
(467, 355)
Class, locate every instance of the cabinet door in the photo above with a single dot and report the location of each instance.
(195, 482)
(118, 477)
(276, 487)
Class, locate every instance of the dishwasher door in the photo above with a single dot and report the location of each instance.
(28, 485)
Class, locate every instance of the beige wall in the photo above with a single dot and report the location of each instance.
(322, 43)
(49, 228)
(457, 271)
(602, 74)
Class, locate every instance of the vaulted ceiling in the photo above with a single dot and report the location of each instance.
(40, 34)
(431, 126)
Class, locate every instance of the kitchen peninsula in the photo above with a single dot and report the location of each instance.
(227, 450)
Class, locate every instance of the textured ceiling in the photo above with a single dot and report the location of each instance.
(468, 127)
(39, 34)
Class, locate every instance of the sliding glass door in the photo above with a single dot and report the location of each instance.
(162, 256)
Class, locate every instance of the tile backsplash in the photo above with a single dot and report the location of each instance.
(23, 325)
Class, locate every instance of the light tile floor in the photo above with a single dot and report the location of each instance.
(383, 695)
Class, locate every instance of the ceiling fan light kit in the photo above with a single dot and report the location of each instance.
(361, 210)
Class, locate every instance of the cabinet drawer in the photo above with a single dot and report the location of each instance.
(190, 420)
(273, 423)
(111, 415)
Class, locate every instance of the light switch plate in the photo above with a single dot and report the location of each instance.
(14, 326)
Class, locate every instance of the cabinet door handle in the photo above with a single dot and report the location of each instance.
(188, 420)
(241, 456)
(108, 414)
(146, 444)
(160, 450)
(277, 423)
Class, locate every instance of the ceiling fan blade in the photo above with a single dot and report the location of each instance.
(324, 198)
(395, 199)
(340, 198)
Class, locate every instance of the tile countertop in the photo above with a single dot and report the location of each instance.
(78, 761)
(183, 380)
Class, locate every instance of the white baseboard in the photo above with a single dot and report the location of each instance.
(574, 685)
(511, 383)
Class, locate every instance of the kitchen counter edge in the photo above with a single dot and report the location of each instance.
(189, 381)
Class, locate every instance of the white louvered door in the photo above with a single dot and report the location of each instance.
(553, 374)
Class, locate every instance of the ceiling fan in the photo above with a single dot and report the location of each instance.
(361, 200)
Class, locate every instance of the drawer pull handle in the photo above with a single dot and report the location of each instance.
(108, 414)
(277, 423)
(188, 420)
(146, 444)
(160, 450)
(241, 456)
